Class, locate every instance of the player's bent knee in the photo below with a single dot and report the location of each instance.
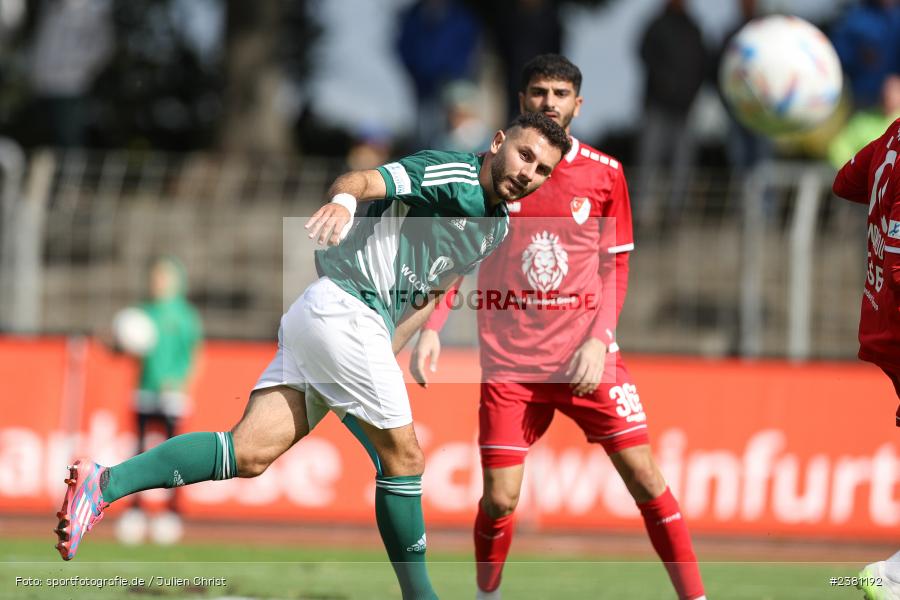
(275, 418)
(404, 461)
(252, 463)
(251, 469)
(499, 504)
(415, 462)
(252, 456)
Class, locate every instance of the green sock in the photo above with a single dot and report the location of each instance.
(184, 459)
(398, 510)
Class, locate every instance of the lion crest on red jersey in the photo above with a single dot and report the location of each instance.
(545, 262)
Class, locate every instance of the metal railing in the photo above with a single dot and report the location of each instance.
(765, 265)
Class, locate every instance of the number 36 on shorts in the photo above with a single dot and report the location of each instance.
(628, 403)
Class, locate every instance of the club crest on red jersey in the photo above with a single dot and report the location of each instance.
(545, 262)
(581, 209)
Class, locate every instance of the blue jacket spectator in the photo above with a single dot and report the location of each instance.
(867, 40)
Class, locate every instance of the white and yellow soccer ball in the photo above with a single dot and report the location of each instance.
(779, 74)
(134, 331)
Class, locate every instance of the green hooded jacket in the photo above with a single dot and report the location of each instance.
(179, 332)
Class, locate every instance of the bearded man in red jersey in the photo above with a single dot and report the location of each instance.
(554, 290)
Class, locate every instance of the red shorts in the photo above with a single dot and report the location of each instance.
(513, 416)
(894, 376)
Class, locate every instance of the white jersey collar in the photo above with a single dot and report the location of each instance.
(574, 151)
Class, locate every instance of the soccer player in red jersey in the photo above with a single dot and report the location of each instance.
(872, 177)
(565, 261)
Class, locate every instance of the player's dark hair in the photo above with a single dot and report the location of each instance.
(547, 127)
(551, 66)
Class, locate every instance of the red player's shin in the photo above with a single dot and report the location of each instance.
(670, 538)
(492, 540)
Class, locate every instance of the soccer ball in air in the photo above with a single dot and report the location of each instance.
(779, 74)
(134, 331)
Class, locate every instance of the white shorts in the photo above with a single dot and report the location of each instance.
(337, 351)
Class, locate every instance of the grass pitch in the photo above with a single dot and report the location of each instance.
(31, 569)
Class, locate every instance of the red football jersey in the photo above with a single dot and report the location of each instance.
(872, 177)
(561, 273)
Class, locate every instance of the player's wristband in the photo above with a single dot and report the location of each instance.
(345, 200)
(348, 202)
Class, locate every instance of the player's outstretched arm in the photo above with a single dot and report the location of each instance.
(330, 223)
(852, 180)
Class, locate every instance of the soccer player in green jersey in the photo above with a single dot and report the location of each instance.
(433, 216)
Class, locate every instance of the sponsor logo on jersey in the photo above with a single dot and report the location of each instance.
(870, 298)
(400, 177)
(177, 479)
(414, 280)
(514, 207)
(877, 240)
(581, 209)
(878, 190)
(459, 223)
(545, 262)
(441, 264)
(487, 242)
(418, 546)
(893, 230)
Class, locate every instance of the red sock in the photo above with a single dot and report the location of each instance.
(672, 542)
(492, 541)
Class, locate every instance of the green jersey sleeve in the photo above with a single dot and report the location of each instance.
(446, 182)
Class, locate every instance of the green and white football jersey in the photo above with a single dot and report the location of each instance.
(434, 224)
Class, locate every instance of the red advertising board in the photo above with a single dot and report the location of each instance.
(756, 448)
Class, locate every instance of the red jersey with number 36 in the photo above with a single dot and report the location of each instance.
(872, 177)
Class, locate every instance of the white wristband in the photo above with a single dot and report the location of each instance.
(348, 202)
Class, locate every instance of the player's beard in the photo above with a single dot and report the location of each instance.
(499, 176)
(565, 120)
(562, 119)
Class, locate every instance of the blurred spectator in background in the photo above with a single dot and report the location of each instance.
(674, 60)
(13, 82)
(866, 125)
(745, 148)
(164, 87)
(371, 147)
(12, 14)
(437, 44)
(466, 130)
(867, 40)
(72, 42)
(166, 369)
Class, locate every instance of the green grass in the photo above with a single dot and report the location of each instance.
(328, 574)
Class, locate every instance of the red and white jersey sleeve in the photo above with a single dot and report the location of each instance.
(619, 208)
(547, 288)
(872, 177)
